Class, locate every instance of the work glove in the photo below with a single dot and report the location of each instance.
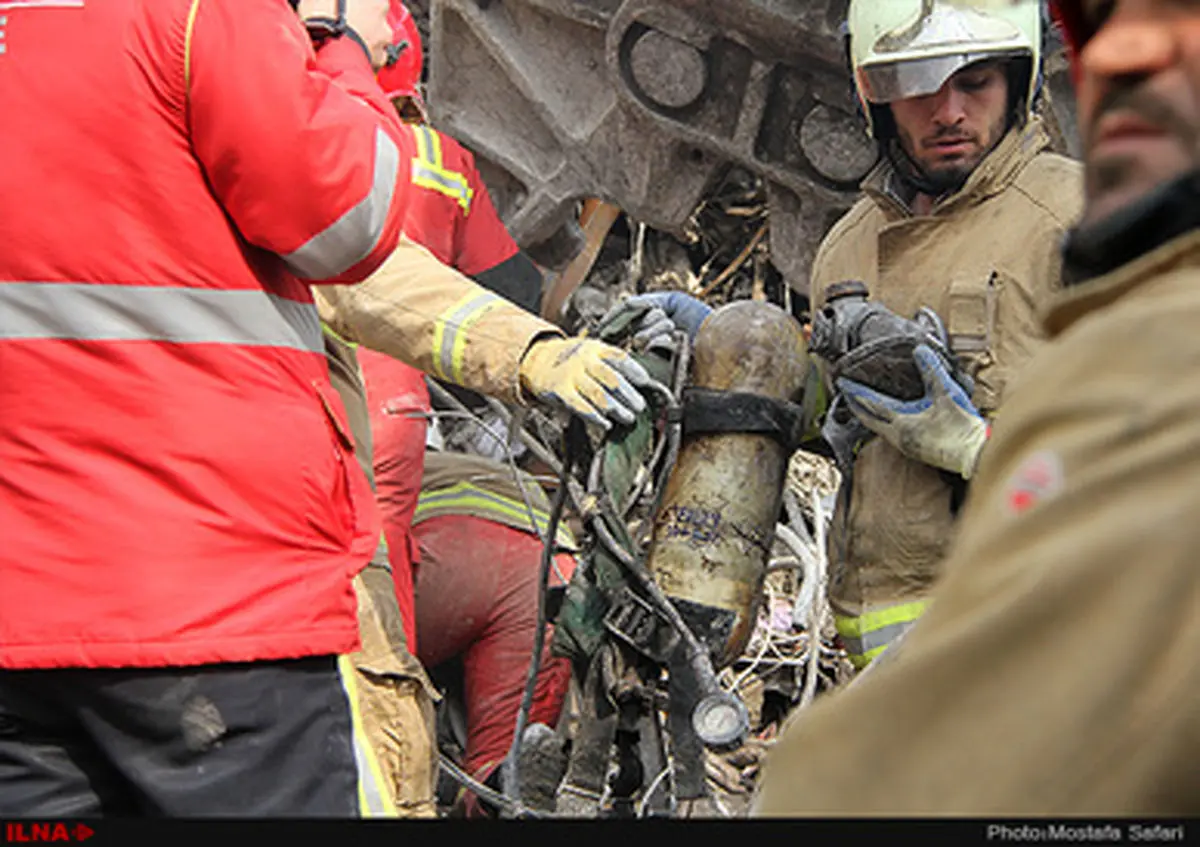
(587, 377)
(663, 313)
(942, 428)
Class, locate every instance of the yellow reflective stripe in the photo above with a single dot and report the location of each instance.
(462, 497)
(861, 660)
(325, 328)
(374, 798)
(879, 618)
(382, 556)
(187, 49)
(868, 635)
(450, 332)
(429, 172)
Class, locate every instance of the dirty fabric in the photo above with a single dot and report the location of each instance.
(269, 739)
(1055, 672)
(986, 260)
(430, 316)
(477, 601)
(390, 695)
(393, 703)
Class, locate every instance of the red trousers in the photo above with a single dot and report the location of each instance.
(396, 398)
(477, 599)
(475, 580)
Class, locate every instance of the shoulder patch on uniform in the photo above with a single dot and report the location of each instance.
(1038, 478)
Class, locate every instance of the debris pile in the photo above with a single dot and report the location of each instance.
(724, 257)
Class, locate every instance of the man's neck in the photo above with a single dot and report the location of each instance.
(922, 204)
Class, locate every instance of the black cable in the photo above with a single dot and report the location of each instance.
(512, 788)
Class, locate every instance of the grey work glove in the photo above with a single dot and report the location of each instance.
(663, 313)
(942, 428)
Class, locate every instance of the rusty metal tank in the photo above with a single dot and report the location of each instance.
(714, 529)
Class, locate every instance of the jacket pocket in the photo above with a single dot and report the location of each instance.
(971, 325)
(342, 506)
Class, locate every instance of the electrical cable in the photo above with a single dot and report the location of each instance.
(511, 774)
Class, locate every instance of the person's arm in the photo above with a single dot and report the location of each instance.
(300, 147)
(486, 252)
(433, 318)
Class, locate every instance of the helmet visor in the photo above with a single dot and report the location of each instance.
(886, 82)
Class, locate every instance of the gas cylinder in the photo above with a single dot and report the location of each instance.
(715, 526)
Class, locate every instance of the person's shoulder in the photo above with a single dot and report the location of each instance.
(454, 154)
(1053, 184)
(863, 216)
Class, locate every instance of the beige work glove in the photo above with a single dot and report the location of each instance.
(586, 377)
(942, 428)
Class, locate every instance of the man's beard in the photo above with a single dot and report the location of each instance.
(945, 180)
(933, 183)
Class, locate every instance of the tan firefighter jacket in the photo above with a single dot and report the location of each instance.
(384, 651)
(1056, 671)
(430, 316)
(985, 260)
(463, 484)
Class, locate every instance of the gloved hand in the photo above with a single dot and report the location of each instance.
(587, 377)
(942, 428)
(665, 312)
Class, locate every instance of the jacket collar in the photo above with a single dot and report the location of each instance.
(1081, 300)
(994, 174)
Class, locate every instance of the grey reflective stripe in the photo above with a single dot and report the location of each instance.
(463, 498)
(452, 328)
(374, 799)
(455, 187)
(352, 237)
(370, 791)
(876, 638)
(430, 149)
(99, 312)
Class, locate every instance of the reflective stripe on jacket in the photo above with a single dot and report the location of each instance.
(452, 214)
(178, 474)
(867, 636)
(463, 484)
(986, 259)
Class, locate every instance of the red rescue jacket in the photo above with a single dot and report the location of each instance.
(177, 481)
(452, 214)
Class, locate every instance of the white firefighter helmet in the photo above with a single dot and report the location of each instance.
(909, 48)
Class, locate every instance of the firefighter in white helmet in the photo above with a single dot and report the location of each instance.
(962, 216)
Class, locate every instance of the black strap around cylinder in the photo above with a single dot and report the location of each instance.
(707, 411)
